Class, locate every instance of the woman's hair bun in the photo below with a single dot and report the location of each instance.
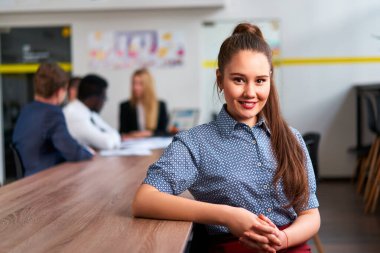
(248, 28)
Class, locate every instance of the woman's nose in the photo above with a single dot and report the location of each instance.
(250, 90)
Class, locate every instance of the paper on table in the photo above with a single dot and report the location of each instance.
(126, 152)
(147, 143)
(138, 147)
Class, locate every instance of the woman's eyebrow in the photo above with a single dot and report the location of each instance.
(236, 74)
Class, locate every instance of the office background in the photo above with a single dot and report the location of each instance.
(333, 45)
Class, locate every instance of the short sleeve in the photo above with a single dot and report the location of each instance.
(313, 201)
(176, 170)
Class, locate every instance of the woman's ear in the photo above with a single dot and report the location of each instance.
(219, 80)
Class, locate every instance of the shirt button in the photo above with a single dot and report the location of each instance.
(265, 187)
(254, 141)
(259, 164)
(269, 210)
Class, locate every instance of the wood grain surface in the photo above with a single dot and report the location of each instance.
(84, 207)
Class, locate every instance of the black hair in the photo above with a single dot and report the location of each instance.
(91, 85)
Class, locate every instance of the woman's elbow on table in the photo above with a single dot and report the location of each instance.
(140, 204)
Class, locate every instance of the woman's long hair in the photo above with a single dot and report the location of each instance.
(291, 161)
(148, 100)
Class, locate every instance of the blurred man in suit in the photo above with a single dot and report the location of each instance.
(41, 136)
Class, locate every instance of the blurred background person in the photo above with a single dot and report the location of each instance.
(72, 90)
(41, 136)
(83, 119)
(143, 115)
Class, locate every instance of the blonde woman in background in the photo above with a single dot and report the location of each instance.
(143, 115)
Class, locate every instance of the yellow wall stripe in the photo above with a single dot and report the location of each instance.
(209, 64)
(310, 61)
(28, 68)
(327, 60)
(31, 68)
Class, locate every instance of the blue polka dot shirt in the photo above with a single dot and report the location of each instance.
(227, 162)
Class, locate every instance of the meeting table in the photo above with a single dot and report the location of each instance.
(85, 207)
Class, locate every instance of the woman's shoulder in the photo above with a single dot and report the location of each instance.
(294, 130)
(200, 132)
(162, 103)
(196, 137)
(126, 103)
(296, 133)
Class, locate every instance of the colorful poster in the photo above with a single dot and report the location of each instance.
(126, 49)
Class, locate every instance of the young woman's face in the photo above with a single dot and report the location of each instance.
(246, 85)
(137, 86)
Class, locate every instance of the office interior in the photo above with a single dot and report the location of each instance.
(327, 51)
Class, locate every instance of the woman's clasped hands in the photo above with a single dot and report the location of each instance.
(261, 234)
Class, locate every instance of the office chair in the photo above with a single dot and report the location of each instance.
(18, 162)
(369, 166)
(312, 143)
(372, 189)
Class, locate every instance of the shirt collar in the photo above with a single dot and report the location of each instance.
(81, 107)
(263, 124)
(227, 124)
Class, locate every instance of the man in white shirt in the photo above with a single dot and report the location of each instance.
(83, 119)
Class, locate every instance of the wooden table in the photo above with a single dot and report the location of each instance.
(84, 207)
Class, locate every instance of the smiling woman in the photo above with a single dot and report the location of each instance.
(249, 172)
(246, 85)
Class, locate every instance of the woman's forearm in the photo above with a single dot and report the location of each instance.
(304, 227)
(151, 203)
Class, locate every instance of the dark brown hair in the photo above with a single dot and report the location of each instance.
(291, 160)
(74, 82)
(48, 79)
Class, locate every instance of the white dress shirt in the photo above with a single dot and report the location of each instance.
(88, 128)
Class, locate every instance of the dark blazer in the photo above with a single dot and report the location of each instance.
(128, 118)
(42, 139)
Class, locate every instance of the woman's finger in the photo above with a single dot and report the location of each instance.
(256, 237)
(266, 219)
(257, 246)
(263, 238)
(263, 228)
(273, 239)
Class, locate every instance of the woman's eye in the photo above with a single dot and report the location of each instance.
(238, 80)
(261, 81)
